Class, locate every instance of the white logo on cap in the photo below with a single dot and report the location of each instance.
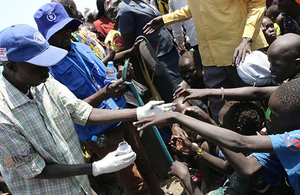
(38, 37)
(51, 17)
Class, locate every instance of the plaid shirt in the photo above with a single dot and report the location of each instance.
(37, 132)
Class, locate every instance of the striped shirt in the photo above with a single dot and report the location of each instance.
(39, 131)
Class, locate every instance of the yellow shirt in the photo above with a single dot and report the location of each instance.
(220, 26)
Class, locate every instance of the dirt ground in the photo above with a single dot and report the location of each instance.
(109, 184)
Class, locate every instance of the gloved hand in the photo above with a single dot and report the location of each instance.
(112, 163)
(153, 107)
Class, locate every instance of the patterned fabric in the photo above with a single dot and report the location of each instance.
(39, 131)
(289, 25)
(89, 38)
(242, 185)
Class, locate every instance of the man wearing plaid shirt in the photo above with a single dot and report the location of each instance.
(40, 151)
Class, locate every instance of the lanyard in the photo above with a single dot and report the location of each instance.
(88, 72)
(109, 102)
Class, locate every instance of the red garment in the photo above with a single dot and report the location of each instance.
(103, 26)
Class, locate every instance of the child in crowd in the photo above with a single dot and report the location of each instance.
(245, 118)
(284, 57)
(280, 144)
(272, 13)
(190, 69)
(289, 18)
(269, 29)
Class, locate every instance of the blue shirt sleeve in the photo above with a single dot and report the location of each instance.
(287, 149)
(273, 171)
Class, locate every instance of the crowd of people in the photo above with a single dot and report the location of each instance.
(219, 80)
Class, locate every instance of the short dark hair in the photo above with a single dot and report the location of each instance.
(289, 94)
(194, 56)
(273, 11)
(243, 117)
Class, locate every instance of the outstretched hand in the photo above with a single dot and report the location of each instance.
(153, 25)
(109, 52)
(129, 73)
(199, 94)
(115, 89)
(135, 47)
(161, 119)
(198, 113)
(181, 143)
(153, 107)
(241, 51)
(179, 169)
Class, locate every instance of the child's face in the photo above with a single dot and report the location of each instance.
(268, 29)
(282, 64)
(111, 9)
(188, 71)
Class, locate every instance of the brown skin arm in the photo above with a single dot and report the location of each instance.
(128, 40)
(280, 23)
(220, 136)
(181, 171)
(103, 117)
(198, 113)
(109, 91)
(130, 51)
(182, 144)
(53, 171)
(240, 93)
(244, 166)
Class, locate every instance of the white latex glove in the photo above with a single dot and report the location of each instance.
(112, 163)
(153, 107)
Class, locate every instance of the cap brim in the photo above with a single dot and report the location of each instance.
(51, 56)
(75, 23)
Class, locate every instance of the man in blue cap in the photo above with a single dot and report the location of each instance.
(40, 151)
(83, 73)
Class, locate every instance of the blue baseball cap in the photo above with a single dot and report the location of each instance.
(52, 17)
(23, 43)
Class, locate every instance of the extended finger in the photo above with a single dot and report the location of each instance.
(146, 29)
(177, 91)
(234, 57)
(185, 99)
(146, 26)
(118, 82)
(238, 59)
(157, 103)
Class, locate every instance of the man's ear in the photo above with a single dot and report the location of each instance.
(10, 66)
(297, 63)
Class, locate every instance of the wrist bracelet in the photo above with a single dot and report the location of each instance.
(223, 94)
(199, 154)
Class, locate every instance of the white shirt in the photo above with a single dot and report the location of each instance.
(177, 29)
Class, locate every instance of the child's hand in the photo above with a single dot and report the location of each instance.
(181, 143)
(199, 94)
(179, 169)
(176, 130)
(198, 113)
